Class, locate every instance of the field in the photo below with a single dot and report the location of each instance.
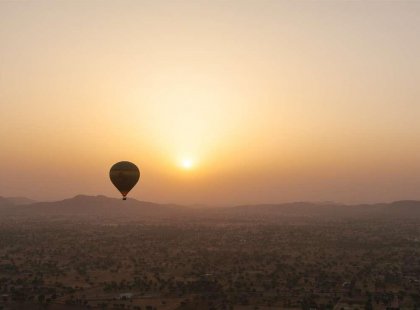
(210, 264)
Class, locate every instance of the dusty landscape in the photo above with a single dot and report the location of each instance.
(290, 256)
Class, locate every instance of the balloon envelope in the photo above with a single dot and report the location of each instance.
(124, 175)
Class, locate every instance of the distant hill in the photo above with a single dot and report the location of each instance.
(18, 201)
(4, 202)
(404, 208)
(15, 201)
(398, 209)
(101, 207)
(83, 206)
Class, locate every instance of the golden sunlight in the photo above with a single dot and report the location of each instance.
(187, 163)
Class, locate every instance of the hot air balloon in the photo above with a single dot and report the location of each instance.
(124, 175)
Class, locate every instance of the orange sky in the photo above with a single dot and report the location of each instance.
(271, 101)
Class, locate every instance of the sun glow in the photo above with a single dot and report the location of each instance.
(187, 163)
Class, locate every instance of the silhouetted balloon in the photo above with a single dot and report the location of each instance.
(124, 175)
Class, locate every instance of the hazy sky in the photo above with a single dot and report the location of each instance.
(271, 101)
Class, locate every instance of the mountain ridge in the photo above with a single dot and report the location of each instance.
(87, 206)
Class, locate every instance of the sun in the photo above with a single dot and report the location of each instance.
(187, 163)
